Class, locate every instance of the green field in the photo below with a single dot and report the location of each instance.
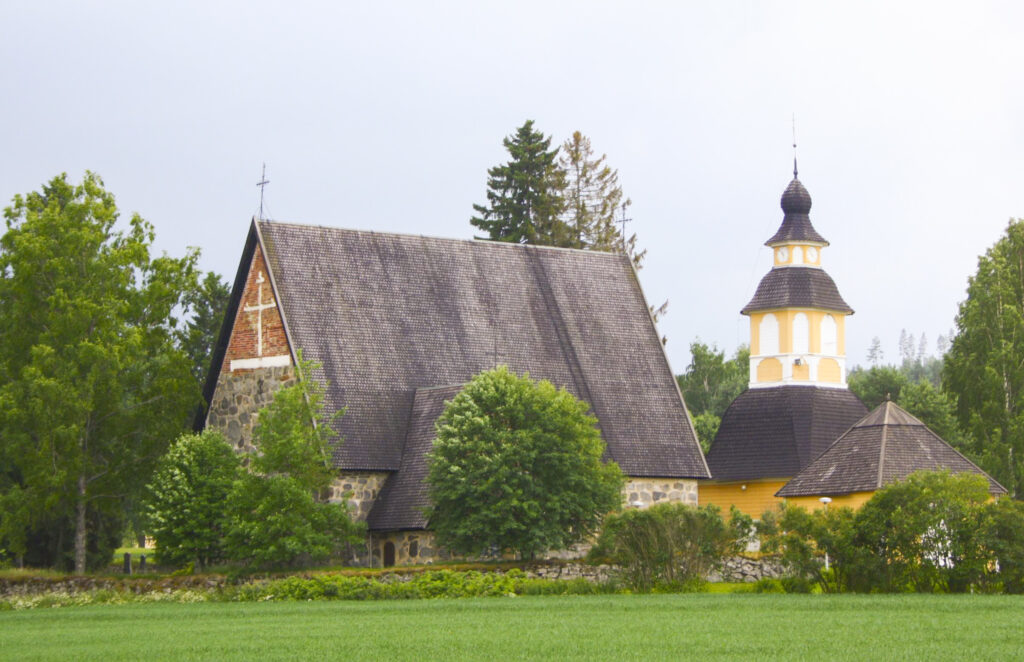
(742, 626)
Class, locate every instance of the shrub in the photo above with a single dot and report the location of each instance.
(1003, 534)
(669, 543)
(801, 539)
(186, 503)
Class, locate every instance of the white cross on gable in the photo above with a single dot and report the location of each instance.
(258, 309)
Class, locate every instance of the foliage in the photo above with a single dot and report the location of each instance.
(524, 200)
(706, 426)
(190, 488)
(592, 197)
(276, 517)
(800, 539)
(670, 544)
(709, 386)
(517, 467)
(921, 534)
(1002, 530)
(984, 368)
(920, 398)
(92, 385)
(208, 303)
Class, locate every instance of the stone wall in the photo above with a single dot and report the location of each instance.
(359, 489)
(239, 397)
(411, 547)
(645, 492)
(746, 569)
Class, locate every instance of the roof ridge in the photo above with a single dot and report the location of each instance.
(881, 446)
(412, 235)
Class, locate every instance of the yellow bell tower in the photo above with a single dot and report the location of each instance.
(797, 317)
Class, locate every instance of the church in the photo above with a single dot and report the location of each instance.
(399, 323)
(798, 433)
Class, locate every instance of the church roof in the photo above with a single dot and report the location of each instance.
(885, 446)
(804, 287)
(775, 432)
(796, 222)
(387, 315)
(404, 499)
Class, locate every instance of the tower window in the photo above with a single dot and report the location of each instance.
(769, 334)
(829, 336)
(801, 334)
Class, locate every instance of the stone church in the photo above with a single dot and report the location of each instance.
(399, 323)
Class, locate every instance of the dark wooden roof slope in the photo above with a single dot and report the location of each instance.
(389, 314)
(806, 287)
(796, 222)
(403, 501)
(775, 432)
(885, 446)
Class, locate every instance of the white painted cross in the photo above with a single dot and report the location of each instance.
(258, 309)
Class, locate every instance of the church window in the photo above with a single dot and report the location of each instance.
(801, 334)
(829, 335)
(798, 255)
(769, 334)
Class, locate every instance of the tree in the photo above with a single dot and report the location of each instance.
(92, 385)
(710, 384)
(524, 196)
(875, 352)
(877, 384)
(592, 197)
(279, 514)
(517, 467)
(984, 368)
(186, 506)
(208, 303)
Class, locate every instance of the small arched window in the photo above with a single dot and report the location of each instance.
(801, 334)
(829, 336)
(769, 334)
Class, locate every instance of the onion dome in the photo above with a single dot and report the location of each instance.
(796, 222)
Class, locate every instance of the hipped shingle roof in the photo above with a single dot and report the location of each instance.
(775, 432)
(885, 446)
(804, 287)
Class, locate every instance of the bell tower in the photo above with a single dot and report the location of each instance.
(797, 317)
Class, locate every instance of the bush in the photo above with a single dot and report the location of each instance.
(922, 534)
(669, 543)
(801, 539)
(1003, 534)
(769, 585)
(186, 504)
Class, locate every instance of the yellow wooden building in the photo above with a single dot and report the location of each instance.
(798, 403)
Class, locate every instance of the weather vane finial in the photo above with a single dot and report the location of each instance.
(794, 146)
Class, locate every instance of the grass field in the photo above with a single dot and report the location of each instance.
(690, 626)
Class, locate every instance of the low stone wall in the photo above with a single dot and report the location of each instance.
(744, 569)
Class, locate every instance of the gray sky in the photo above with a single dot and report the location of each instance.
(386, 116)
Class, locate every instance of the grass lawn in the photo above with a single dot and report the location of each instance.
(740, 626)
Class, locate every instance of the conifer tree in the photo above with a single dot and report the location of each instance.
(524, 196)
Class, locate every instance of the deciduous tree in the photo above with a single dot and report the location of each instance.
(93, 387)
(517, 467)
(984, 368)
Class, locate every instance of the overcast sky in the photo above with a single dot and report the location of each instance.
(386, 116)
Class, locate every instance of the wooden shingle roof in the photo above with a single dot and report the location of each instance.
(387, 315)
(775, 432)
(804, 287)
(796, 222)
(885, 446)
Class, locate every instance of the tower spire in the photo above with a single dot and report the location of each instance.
(794, 146)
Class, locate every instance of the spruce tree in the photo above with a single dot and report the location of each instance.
(524, 196)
